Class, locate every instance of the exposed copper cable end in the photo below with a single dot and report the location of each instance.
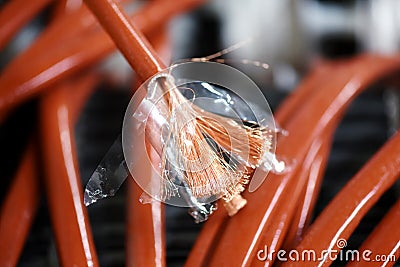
(206, 167)
(235, 204)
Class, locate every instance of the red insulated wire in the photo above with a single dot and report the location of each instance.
(130, 41)
(267, 217)
(148, 247)
(68, 214)
(70, 53)
(19, 208)
(383, 242)
(15, 14)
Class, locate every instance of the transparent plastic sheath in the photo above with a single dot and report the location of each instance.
(212, 98)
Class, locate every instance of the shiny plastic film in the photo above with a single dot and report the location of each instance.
(192, 134)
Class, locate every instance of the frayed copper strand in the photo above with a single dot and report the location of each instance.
(203, 167)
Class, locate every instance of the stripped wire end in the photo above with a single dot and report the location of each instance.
(212, 155)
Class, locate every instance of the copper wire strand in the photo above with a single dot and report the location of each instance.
(215, 57)
(217, 177)
(205, 169)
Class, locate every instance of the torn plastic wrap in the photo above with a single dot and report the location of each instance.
(108, 176)
(211, 129)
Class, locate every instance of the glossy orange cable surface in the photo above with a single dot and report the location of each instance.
(383, 242)
(286, 111)
(277, 214)
(63, 184)
(292, 104)
(59, 108)
(145, 230)
(362, 78)
(19, 208)
(340, 218)
(20, 81)
(148, 248)
(15, 14)
(255, 225)
(125, 34)
(314, 171)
